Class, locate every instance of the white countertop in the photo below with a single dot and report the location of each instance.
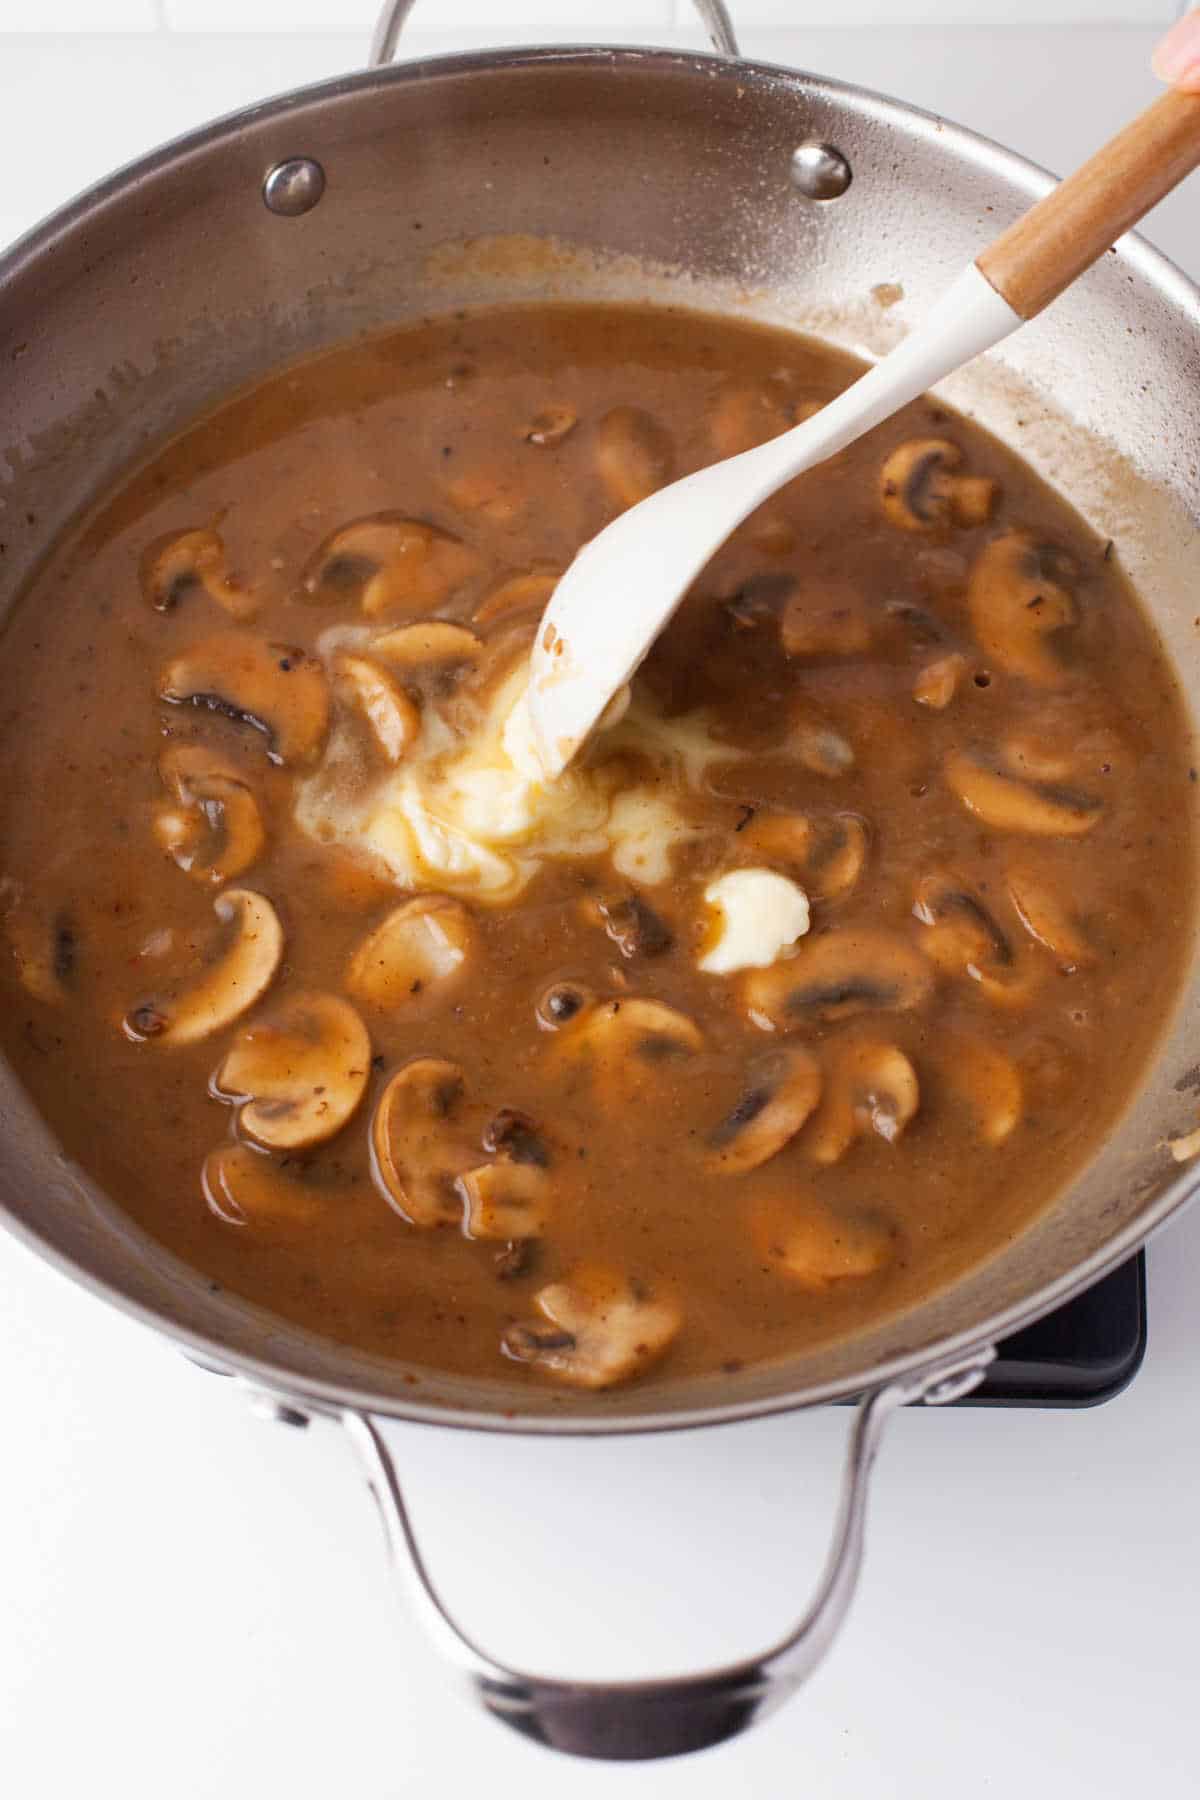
(195, 1601)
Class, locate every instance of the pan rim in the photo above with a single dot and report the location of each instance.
(323, 1396)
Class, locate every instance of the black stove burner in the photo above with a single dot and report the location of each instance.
(1081, 1355)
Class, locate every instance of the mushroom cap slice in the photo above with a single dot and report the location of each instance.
(937, 683)
(988, 1083)
(596, 1328)
(1018, 610)
(1049, 920)
(550, 426)
(819, 1247)
(634, 455)
(1009, 804)
(230, 986)
(245, 1187)
(961, 934)
(919, 489)
(488, 490)
(822, 750)
(184, 561)
(870, 1086)
(825, 618)
(746, 414)
(506, 1200)
(418, 1146)
(627, 1034)
(633, 925)
(427, 644)
(781, 1092)
(390, 562)
(44, 947)
(215, 830)
(393, 718)
(828, 849)
(427, 569)
(420, 945)
(528, 592)
(297, 1074)
(837, 974)
(279, 690)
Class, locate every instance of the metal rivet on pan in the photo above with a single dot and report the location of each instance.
(294, 187)
(820, 171)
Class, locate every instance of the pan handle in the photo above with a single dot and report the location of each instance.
(393, 15)
(637, 1720)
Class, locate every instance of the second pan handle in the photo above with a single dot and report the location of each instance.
(628, 1721)
(393, 15)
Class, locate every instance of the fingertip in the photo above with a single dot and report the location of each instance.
(1177, 58)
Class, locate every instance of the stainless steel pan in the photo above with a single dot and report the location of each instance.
(579, 172)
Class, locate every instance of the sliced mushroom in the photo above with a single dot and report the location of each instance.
(1018, 610)
(423, 944)
(749, 413)
(1042, 756)
(822, 750)
(433, 643)
(920, 491)
(596, 1328)
(837, 974)
(986, 1081)
(348, 558)
(825, 618)
(392, 563)
(298, 1074)
(772, 535)
(215, 830)
(938, 682)
(634, 926)
(514, 1135)
(1049, 920)
(829, 850)
(505, 1200)
(239, 976)
(1009, 804)
(870, 1087)
(961, 935)
(245, 1187)
(562, 1002)
(615, 1033)
(419, 1147)
(549, 427)
(44, 945)
(634, 455)
(820, 1247)
(780, 1095)
(393, 718)
(189, 561)
(489, 493)
(528, 592)
(279, 690)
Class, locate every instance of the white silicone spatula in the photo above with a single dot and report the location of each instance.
(623, 587)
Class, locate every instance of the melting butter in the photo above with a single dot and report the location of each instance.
(472, 815)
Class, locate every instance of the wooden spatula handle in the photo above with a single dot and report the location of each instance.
(1034, 260)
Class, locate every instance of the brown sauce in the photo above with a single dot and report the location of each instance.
(927, 698)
